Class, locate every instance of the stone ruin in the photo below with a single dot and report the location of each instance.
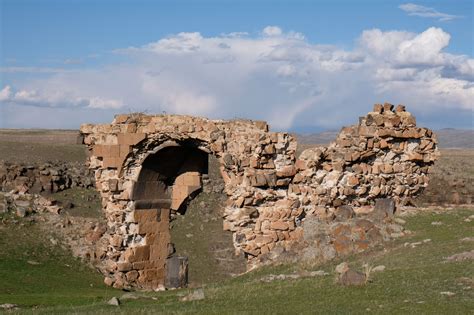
(316, 206)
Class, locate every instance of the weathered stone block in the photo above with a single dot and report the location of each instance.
(140, 253)
(144, 216)
(176, 272)
(130, 138)
(384, 208)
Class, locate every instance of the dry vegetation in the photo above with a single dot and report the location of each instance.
(38, 146)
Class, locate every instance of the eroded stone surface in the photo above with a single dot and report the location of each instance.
(270, 192)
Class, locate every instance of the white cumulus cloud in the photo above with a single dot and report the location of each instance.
(272, 31)
(5, 93)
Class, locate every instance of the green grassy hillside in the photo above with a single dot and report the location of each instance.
(43, 279)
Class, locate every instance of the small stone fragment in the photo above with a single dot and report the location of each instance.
(342, 267)
(114, 301)
(8, 306)
(353, 278)
(378, 268)
(196, 295)
(448, 293)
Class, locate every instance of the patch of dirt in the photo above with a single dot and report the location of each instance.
(461, 256)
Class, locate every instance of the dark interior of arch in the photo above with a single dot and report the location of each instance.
(153, 188)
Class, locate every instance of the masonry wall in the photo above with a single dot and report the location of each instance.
(270, 192)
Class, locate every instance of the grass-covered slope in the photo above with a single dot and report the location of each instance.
(35, 271)
(412, 282)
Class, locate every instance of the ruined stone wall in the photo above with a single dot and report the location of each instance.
(44, 177)
(270, 192)
(384, 156)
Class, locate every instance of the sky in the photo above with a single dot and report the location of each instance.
(303, 66)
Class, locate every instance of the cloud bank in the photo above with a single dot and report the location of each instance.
(277, 76)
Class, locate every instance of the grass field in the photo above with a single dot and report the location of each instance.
(42, 278)
(37, 146)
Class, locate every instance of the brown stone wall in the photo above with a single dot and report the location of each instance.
(384, 156)
(270, 192)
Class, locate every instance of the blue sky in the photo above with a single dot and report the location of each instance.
(83, 61)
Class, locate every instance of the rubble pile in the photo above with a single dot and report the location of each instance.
(44, 178)
(384, 156)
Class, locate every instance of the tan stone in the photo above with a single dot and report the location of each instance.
(286, 171)
(378, 108)
(352, 180)
(387, 107)
(132, 275)
(124, 266)
(151, 227)
(279, 225)
(263, 239)
(143, 216)
(400, 108)
(130, 138)
(158, 252)
(388, 169)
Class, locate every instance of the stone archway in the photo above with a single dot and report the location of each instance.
(256, 166)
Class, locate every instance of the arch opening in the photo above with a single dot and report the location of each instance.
(169, 179)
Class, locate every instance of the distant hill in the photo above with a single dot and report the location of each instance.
(456, 138)
(317, 138)
(448, 138)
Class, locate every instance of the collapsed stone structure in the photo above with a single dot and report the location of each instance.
(44, 177)
(147, 167)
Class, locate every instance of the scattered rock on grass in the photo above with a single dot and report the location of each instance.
(462, 256)
(196, 295)
(270, 278)
(379, 268)
(342, 267)
(32, 262)
(399, 221)
(448, 293)
(129, 296)
(8, 306)
(21, 212)
(114, 301)
(353, 278)
(294, 276)
(469, 218)
(466, 282)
